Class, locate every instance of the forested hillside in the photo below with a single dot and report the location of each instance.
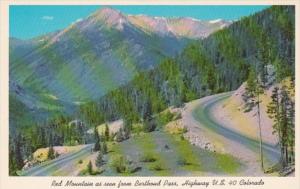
(219, 63)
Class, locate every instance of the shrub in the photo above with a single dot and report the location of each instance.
(119, 163)
(80, 161)
(157, 166)
(164, 118)
(177, 116)
(184, 130)
(150, 125)
(181, 137)
(119, 136)
(137, 128)
(123, 165)
(148, 157)
(183, 162)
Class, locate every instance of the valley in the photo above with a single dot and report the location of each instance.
(199, 118)
(199, 162)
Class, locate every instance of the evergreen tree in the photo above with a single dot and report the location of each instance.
(99, 160)
(274, 111)
(291, 120)
(12, 163)
(97, 146)
(104, 147)
(96, 134)
(264, 56)
(42, 137)
(291, 131)
(281, 110)
(119, 135)
(90, 168)
(281, 69)
(106, 132)
(126, 133)
(253, 91)
(251, 83)
(250, 93)
(51, 153)
(284, 126)
(256, 87)
(258, 92)
(18, 153)
(147, 110)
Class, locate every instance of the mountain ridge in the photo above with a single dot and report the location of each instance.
(91, 56)
(113, 16)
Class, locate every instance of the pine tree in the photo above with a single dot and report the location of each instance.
(251, 86)
(51, 153)
(104, 147)
(291, 131)
(284, 127)
(291, 119)
(264, 56)
(106, 132)
(119, 135)
(251, 83)
(90, 168)
(254, 89)
(258, 90)
(147, 110)
(12, 163)
(42, 137)
(96, 134)
(281, 110)
(126, 133)
(273, 109)
(18, 153)
(99, 160)
(274, 112)
(281, 70)
(97, 145)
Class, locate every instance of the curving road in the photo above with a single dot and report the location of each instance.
(63, 161)
(204, 115)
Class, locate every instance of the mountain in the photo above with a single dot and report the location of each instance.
(179, 27)
(96, 55)
(127, 71)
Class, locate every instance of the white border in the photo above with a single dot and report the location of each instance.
(7, 182)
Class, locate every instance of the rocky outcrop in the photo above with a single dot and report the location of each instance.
(202, 143)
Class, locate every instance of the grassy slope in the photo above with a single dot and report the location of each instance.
(198, 162)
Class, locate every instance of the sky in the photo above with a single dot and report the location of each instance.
(30, 21)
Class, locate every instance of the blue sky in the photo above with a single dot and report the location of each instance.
(31, 21)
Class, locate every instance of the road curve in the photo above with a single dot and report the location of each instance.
(45, 169)
(203, 114)
(203, 117)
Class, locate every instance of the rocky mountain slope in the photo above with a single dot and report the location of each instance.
(99, 53)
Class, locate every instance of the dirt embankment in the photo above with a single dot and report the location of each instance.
(231, 112)
(218, 123)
